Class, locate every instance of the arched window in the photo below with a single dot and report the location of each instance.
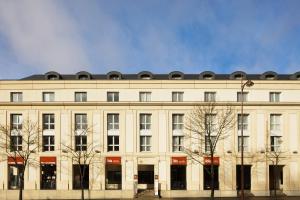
(145, 75)
(83, 75)
(238, 75)
(52, 75)
(176, 75)
(207, 75)
(269, 75)
(114, 75)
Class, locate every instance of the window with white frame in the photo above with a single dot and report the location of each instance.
(145, 96)
(209, 96)
(245, 143)
(145, 121)
(243, 119)
(178, 135)
(113, 143)
(80, 142)
(209, 142)
(274, 96)
(48, 96)
(16, 96)
(80, 96)
(80, 121)
(48, 121)
(145, 143)
(275, 143)
(112, 121)
(112, 96)
(242, 96)
(177, 96)
(210, 123)
(145, 132)
(275, 123)
(15, 143)
(16, 121)
(48, 142)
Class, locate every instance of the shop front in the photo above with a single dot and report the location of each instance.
(48, 173)
(113, 173)
(15, 168)
(178, 173)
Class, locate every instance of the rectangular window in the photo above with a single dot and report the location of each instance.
(145, 143)
(275, 122)
(275, 143)
(15, 143)
(177, 143)
(48, 96)
(246, 143)
(48, 143)
(145, 121)
(112, 121)
(16, 122)
(207, 142)
(145, 96)
(80, 121)
(211, 123)
(245, 122)
(80, 142)
(209, 96)
(48, 122)
(177, 122)
(274, 96)
(112, 96)
(80, 96)
(113, 143)
(177, 96)
(242, 97)
(16, 96)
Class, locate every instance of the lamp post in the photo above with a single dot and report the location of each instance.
(248, 83)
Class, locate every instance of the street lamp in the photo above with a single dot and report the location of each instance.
(248, 83)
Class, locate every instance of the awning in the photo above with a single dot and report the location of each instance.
(113, 160)
(207, 160)
(178, 161)
(15, 160)
(48, 160)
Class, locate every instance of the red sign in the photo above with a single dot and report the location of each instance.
(47, 160)
(113, 160)
(15, 160)
(179, 161)
(207, 160)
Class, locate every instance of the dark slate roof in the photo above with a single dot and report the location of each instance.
(295, 76)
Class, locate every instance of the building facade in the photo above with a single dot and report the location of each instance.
(137, 129)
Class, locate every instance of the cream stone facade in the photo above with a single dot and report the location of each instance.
(158, 160)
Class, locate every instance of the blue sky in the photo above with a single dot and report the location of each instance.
(160, 36)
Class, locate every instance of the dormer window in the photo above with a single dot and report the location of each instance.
(207, 75)
(238, 75)
(83, 75)
(145, 75)
(114, 75)
(269, 75)
(176, 75)
(52, 76)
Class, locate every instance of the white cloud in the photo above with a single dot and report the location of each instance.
(41, 34)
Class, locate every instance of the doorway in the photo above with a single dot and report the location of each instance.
(275, 177)
(145, 177)
(247, 177)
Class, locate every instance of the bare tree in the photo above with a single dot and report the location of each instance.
(207, 125)
(18, 144)
(82, 151)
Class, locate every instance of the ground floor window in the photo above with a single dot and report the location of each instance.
(207, 177)
(113, 177)
(48, 176)
(275, 177)
(146, 175)
(178, 177)
(14, 176)
(247, 177)
(80, 171)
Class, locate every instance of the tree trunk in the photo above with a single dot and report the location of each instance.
(275, 181)
(81, 186)
(212, 176)
(21, 178)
